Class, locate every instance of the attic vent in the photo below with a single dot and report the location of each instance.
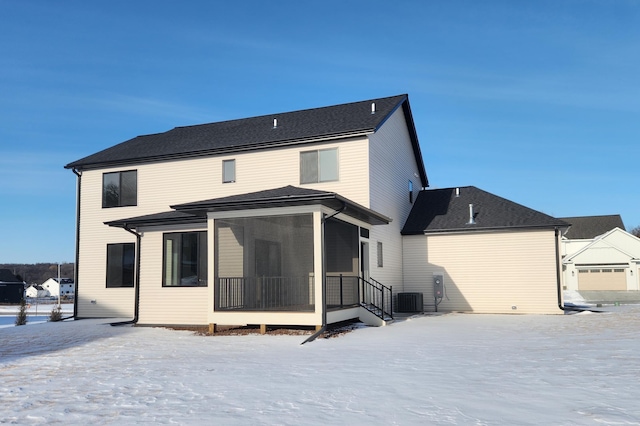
(275, 123)
(373, 107)
(471, 220)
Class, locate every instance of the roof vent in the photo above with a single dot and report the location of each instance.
(457, 192)
(275, 123)
(373, 107)
(471, 220)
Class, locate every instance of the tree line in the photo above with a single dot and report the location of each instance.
(38, 273)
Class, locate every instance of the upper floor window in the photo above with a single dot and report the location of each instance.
(319, 165)
(120, 189)
(228, 171)
(120, 265)
(185, 259)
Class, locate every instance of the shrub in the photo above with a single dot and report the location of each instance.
(56, 314)
(21, 318)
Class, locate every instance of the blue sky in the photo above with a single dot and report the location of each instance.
(537, 102)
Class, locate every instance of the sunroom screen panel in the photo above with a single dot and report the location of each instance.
(276, 258)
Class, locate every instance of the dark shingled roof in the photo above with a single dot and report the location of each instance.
(587, 227)
(297, 127)
(165, 218)
(6, 276)
(280, 197)
(439, 210)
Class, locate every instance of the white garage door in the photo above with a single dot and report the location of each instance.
(602, 279)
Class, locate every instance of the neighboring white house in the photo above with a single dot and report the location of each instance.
(607, 262)
(292, 219)
(35, 291)
(64, 288)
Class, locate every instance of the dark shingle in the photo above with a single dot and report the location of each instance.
(7, 277)
(587, 227)
(253, 133)
(285, 197)
(279, 197)
(440, 210)
(164, 218)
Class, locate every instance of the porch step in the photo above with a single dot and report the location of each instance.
(377, 312)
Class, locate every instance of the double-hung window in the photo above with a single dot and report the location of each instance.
(120, 189)
(120, 265)
(185, 259)
(319, 165)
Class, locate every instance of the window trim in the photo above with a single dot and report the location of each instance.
(379, 255)
(120, 202)
(202, 272)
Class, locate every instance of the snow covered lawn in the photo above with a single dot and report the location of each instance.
(437, 369)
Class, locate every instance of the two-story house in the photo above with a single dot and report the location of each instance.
(290, 219)
(301, 218)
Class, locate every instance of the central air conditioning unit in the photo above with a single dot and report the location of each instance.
(410, 303)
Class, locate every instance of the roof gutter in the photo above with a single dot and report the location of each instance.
(318, 333)
(559, 279)
(136, 306)
(75, 272)
(216, 151)
(558, 269)
(483, 229)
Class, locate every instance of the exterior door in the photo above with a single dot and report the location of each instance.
(364, 260)
(268, 272)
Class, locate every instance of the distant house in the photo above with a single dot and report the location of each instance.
(35, 291)
(64, 288)
(589, 227)
(493, 255)
(600, 256)
(11, 288)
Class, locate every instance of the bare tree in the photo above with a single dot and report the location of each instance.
(636, 231)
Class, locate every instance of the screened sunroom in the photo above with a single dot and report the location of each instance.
(288, 256)
(284, 256)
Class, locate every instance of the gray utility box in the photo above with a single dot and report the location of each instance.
(410, 302)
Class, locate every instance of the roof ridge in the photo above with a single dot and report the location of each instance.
(271, 115)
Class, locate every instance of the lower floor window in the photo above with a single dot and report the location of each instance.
(185, 259)
(120, 265)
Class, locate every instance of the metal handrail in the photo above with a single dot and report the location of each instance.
(377, 298)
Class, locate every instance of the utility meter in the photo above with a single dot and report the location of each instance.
(438, 286)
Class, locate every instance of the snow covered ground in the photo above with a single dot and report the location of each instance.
(433, 369)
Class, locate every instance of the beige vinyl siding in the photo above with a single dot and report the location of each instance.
(163, 184)
(485, 272)
(93, 298)
(167, 305)
(392, 165)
